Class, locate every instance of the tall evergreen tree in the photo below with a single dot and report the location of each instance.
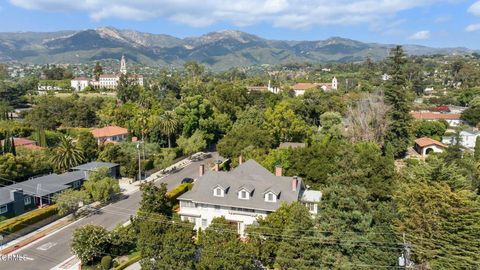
(398, 135)
(98, 70)
(477, 149)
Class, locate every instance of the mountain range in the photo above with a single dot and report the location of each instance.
(218, 50)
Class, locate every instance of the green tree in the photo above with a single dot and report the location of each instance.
(66, 155)
(433, 129)
(168, 125)
(100, 186)
(193, 144)
(97, 71)
(127, 90)
(285, 125)
(90, 243)
(191, 111)
(69, 201)
(398, 134)
(151, 228)
(477, 149)
(123, 240)
(331, 125)
(155, 199)
(5, 110)
(88, 144)
(221, 248)
(178, 247)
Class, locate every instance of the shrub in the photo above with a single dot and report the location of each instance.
(106, 262)
(17, 223)
(131, 261)
(179, 190)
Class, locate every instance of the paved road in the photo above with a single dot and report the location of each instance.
(55, 248)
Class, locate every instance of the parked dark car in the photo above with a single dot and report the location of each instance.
(187, 180)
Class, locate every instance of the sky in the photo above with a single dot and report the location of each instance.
(436, 23)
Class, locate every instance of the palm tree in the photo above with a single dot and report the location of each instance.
(141, 122)
(67, 154)
(168, 125)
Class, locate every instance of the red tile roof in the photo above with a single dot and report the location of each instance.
(22, 141)
(304, 86)
(108, 131)
(425, 141)
(435, 116)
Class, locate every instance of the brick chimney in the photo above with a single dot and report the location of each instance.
(217, 165)
(278, 170)
(294, 183)
(201, 170)
(240, 160)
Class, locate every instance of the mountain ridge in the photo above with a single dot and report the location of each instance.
(218, 50)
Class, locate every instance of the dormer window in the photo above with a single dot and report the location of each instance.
(218, 192)
(270, 197)
(243, 194)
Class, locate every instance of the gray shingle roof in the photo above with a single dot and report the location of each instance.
(42, 186)
(91, 166)
(249, 175)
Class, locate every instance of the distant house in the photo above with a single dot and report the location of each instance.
(453, 119)
(110, 134)
(300, 88)
(467, 138)
(113, 168)
(17, 198)
(425, 146)
(79, 83)
(242, 195)
(25, 143)
(20, 197)
(268, 88)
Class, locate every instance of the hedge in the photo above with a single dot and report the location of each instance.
(131, 261)
(179, 190)
(17, 223)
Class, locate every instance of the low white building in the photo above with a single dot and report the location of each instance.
(468, 138)
(243, 195)
(79, 83)
(300, 88)
(425, 146)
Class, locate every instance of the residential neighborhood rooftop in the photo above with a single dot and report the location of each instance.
(425, 141)
(108, 131)
(250, 176)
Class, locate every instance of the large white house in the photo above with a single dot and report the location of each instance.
(107, 81)
(242, 195)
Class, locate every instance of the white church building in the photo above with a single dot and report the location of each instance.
(106, 81)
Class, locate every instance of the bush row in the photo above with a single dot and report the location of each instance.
(17, 223)
(178, 190)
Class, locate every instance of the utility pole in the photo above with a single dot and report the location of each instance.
(139, 162)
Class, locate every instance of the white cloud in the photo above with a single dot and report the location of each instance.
(281, 13)
(472, 27)
(475, 8)
(420, 35)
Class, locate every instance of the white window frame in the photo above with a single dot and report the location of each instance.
(27, 200)
(204, 222)
(3, 209)
(273, 199)
(222, 192)
(243, 192)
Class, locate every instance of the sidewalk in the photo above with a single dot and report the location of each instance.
(35, 235)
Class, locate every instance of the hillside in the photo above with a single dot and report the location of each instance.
(218, 50)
